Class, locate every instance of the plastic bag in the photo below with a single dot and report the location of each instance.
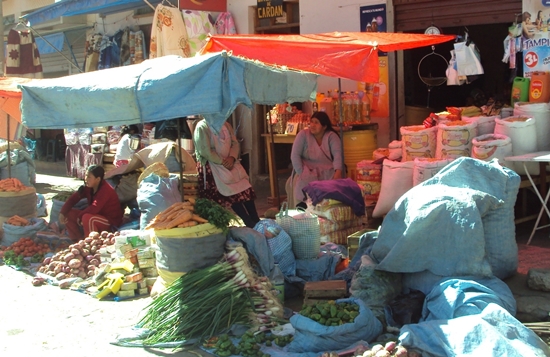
(280, 245)
(376, 288)
(311, 336)
(154, 195)
(304, 230)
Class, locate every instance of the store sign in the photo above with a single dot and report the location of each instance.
(204, 5)
(535, 41)
(269, 8)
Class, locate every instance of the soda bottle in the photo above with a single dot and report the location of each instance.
(278, 281)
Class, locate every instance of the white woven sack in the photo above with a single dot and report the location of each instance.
(492, 146)
(455, 140)
(397, 178)
(395, 150)
(417, 141)
(425, 169)
(523, 134)
(485, 125)
(541, 113)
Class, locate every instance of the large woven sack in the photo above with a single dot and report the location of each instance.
(522, 132)
(303, 228)
(181, 250)
(397, 178)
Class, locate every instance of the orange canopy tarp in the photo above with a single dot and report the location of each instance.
(10, 99)
(351, 55)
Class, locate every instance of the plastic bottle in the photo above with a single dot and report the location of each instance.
(336, 106)
(278, 281)
(365, 107)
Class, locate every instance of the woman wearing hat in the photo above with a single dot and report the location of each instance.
(103, 211)
(222, 178)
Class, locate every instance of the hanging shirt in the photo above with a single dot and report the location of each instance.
(168, 34)
(22, 57)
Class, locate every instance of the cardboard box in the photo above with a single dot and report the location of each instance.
(150, 272)
(147, 263)
(143, 291)
(322, 291)
(134, 277)
(131, 253)
(129, 286)
(126, 293)
(142, 284)
(353, 241)
(146, 254)
(124, 248)
(149, 282)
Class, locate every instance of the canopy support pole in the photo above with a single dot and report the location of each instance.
(8, 150)
(181, 159)
(341, 110)
(273, 162)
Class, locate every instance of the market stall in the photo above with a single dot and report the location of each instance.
(227, 282)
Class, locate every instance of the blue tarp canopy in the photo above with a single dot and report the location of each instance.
(159, 89)
(80, 7)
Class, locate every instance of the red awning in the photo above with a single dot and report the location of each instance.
(351, 55)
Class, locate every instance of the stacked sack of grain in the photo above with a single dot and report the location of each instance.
(336, 220)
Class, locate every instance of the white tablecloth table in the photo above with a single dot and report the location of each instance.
(543, 158)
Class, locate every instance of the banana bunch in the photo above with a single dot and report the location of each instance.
(471, 111)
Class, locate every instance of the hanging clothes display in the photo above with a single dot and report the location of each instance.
(110, 51)
(22, 57)
(168, 35)
(199, 24)
(133, 49)
(225, 24)
(93, 45)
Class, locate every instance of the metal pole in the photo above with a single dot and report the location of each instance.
(2, 52)
(341, 109)
(181, 158)
(273, 167)
(8, 150)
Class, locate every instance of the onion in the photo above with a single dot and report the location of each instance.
(94, 262)
(75, 251)
(67, 258)
(89, 257)
(88, 240)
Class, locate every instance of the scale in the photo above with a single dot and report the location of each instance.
(429, 80)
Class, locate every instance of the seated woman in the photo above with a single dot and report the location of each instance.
(316, 155)
(222, 178)
(103, 211)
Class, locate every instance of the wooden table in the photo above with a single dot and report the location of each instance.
(277, 139)
(543, 158)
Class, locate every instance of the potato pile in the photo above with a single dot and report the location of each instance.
(80, 259)
(388, 350)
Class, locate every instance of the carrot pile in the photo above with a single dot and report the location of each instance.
(11, 185)
(178, 215)
(18, 221)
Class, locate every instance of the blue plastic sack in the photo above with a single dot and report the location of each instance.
(154, 195)
(280, 245)
(41, 208)
(13, 233)
(311, 336)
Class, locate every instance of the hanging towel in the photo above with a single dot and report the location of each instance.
(22, 57)
(199, 24)
(168, 35)
(225, 24)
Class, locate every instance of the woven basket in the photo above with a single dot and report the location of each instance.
(157, 168)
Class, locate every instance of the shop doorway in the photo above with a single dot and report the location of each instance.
(495, 83)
